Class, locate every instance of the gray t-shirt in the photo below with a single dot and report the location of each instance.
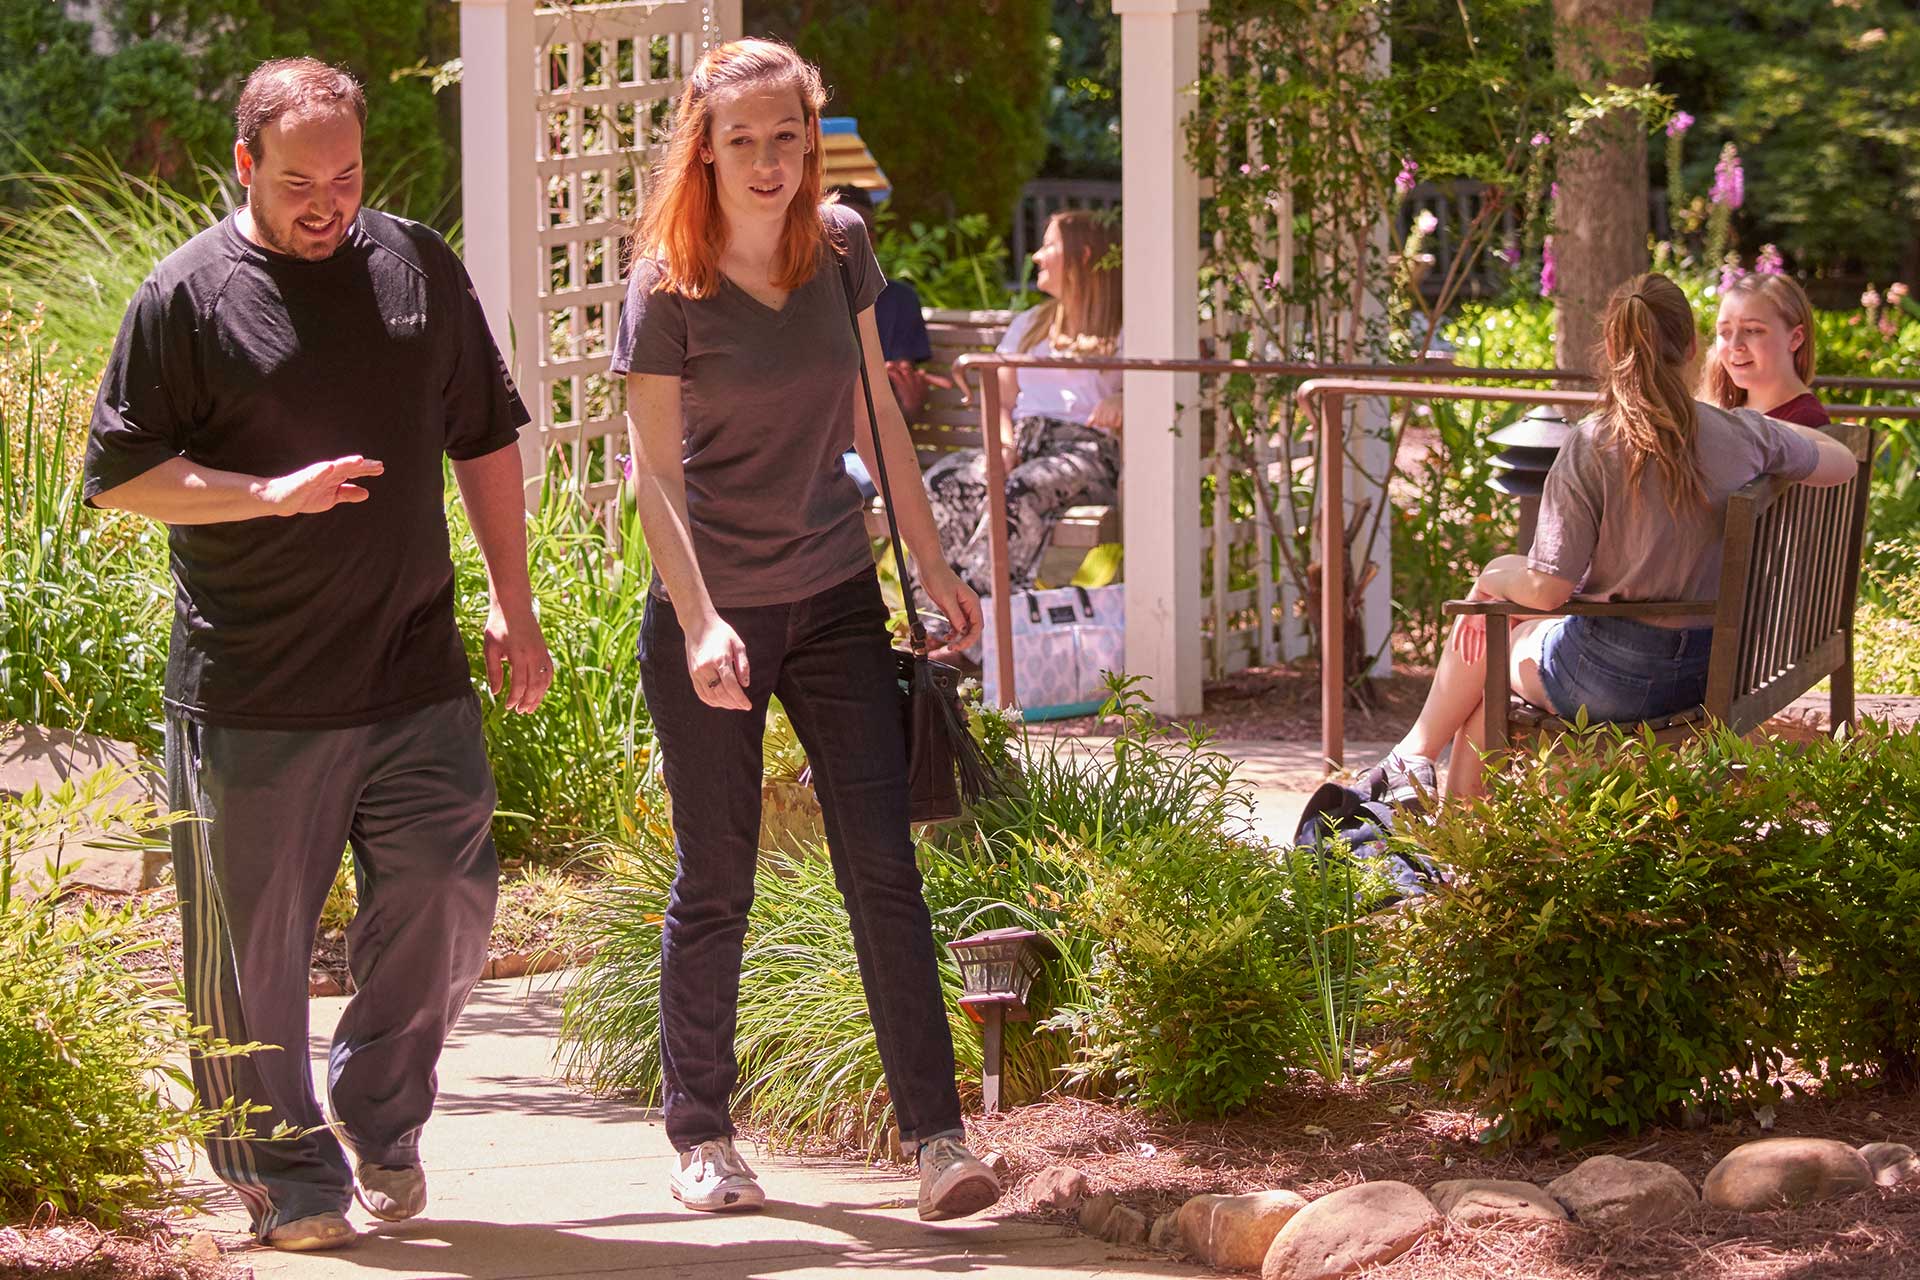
(768, 398)
(1620, 546)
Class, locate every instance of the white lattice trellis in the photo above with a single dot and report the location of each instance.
(563, 107)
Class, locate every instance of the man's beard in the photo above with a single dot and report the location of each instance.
(280, 239)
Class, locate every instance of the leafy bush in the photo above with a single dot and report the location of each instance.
(1614, 947)
(1858, 819)
(572, 769)
(94, 1110)
(964, 140)
(1886, 635)
(959, 265)
(85, 600)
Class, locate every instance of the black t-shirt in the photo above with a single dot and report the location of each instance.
(246, 360)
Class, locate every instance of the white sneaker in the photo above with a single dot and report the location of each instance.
(714, 1179)
(953, 1183)
(391, 1193)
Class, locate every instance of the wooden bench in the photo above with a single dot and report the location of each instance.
(1782, 621)
(948, 423)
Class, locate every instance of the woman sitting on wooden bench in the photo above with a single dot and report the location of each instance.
(1059, 428)
(1633, 510)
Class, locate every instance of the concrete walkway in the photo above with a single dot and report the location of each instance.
(529, 1179)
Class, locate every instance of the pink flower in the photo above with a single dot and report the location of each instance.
(1403, 182)
(1549, 275)
(1427, 223)
(1730, 271)
(1871, 299)
(1769, 262)
(1245, 169)
(1729, 179)
(1679, 124)
(1553, 193)
(1541, 139)
(1897, 292)
(626, 465)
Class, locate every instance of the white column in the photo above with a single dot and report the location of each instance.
(499, 213)
(1160, 197)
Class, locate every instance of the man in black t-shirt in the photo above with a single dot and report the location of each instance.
(281, 395)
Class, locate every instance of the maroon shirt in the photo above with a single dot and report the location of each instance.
(1804, 410)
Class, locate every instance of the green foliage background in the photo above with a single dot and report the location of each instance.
(951, 98)
(160, 98)
(1823, 99)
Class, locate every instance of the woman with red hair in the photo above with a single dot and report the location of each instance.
(738, 346)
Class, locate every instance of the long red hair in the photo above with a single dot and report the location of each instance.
(682, 226)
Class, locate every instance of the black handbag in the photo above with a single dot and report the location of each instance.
(946, 769)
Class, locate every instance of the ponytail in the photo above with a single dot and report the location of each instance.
(1645, 403)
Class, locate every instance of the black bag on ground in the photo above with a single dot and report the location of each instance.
(1344, 820)
(946, 769)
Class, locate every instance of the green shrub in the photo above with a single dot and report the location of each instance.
(1886, 635)
(959, 265)
(964, 140)
(1858, 819)
(95, 1110)
(572, 769)
(1614, 947)
(85, 599)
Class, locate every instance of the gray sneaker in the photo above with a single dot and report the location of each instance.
(714, 1179)
(391, 1193)
(953, 1183)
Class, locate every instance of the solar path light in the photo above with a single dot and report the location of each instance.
(997, 970)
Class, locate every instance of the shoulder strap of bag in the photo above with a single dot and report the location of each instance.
(916, 630)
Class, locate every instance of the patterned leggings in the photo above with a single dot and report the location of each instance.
(1062, 464)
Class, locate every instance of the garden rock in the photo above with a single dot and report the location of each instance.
(1126, 1225)
(1058, 1187)
(1893, 1163)
(1775, 1172)
(1611, 1191)
(1354, 1227)
(1233, 1232)
(1478, 1201)
(1166, 1231)
(1095, 1212)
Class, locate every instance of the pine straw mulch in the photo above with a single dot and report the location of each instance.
(1316, 1138)
(142, 1249)
(530, 925)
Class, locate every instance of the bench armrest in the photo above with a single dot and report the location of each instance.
(1587, 608)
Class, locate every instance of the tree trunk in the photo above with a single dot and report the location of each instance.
(1600, 218)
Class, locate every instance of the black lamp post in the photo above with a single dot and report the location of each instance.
(1527, 450)
(997, 969)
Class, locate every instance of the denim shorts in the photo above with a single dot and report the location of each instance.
(1621, 669)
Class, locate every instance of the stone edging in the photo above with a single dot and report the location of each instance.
(1287, 1237)
(515, 964)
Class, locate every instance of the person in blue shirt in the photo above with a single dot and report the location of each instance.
(903, 339)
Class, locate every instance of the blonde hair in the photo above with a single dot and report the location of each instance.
(682, 226)
(1645, 405)
(1085, 318)
(1790, 303)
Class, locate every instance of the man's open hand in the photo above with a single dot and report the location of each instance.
(320, 487)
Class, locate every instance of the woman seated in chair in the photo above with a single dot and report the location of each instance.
(1059, 428)
(1633, 510)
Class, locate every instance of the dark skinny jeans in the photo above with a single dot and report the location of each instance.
(828, 659)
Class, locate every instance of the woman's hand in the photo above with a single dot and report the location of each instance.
(1107, 414)
(1009, 455)
(961, 605)
(717, 661)
(1470, 630)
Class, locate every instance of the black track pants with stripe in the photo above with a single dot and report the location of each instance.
(413, 798)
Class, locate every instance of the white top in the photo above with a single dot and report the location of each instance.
(1068, 394)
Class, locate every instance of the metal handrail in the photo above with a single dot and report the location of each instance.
(996, 478)
(1324, 381)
